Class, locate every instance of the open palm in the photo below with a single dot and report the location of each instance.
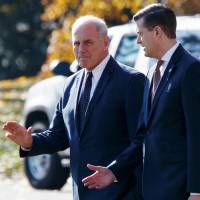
(101, 178)
(18, 134)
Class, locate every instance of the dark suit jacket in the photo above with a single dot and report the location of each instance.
(111, 121)
(171, 133)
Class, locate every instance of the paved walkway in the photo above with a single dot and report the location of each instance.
(19, 189)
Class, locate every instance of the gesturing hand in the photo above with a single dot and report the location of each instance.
(18, 134)
(194, 197)
(101, 178)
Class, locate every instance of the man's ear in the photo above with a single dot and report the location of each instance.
(158, 31)
(106, 42)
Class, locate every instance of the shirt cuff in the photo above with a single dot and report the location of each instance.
(25, 149)
(194, 194)
(115, 181)
(112, 163)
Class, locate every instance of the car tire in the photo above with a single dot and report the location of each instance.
(45, 171)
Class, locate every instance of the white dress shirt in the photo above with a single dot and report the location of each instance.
(166, 58)
(96, 75)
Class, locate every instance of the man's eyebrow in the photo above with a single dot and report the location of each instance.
(88, 40)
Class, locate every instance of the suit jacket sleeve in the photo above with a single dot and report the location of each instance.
(133, 102)
(131, 157)
(52, 140)
(190, 90)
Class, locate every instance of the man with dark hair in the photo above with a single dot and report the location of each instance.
(169, 128)
(157, 15)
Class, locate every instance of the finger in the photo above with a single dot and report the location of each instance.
(89, 182)
(7, 134)
(92, 177)
(89, 178)
(10, 126)
(93, 186)
(5, 127)
(98, 187)
(10, 136)
(94, 167)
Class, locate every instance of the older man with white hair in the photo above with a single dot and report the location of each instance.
(96, 117)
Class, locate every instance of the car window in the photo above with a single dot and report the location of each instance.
(190, 40)
(127, 50)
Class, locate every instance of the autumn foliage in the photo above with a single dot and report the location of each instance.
(64, 12)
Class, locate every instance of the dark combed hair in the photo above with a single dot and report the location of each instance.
(158, 15)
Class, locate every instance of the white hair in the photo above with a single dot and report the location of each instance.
(100, 24)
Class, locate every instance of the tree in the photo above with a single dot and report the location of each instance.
(64, 13)
(23, 38)
(184, 7)
(26, 26)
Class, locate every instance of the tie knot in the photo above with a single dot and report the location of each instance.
(89, 75)
(159, 64)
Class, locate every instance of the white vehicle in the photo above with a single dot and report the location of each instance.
(52, 171)
(46, 171)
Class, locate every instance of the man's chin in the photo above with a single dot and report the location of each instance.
(88, 67)
(144, 50)
(83, 64)
(146, 54)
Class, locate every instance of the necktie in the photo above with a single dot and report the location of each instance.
(156, 78)
(84, 100)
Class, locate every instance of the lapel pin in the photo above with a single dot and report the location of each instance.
(169, 87)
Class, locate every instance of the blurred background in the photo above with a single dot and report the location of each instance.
(36, 32)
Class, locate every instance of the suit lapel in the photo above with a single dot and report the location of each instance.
(161, 86)
(105, 77)
(171, 67)
(147, 95)
(75, 95)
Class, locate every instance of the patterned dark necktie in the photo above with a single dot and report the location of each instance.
(84, 100)
(156, 78)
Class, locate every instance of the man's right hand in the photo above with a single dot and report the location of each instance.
(18, 134)
(101, 177)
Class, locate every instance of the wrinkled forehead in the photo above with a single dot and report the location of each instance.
(84, 27)
(85, 31)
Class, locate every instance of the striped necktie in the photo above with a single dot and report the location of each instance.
(156, 78)
(84, 100)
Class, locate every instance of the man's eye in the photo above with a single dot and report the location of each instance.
(88, 43)
(76, 44)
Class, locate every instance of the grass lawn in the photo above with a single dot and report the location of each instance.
(12, 97)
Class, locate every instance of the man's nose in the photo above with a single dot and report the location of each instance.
(81, 47)
(138, 40)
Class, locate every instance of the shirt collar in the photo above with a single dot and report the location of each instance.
(167, 56)
(98, 70)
